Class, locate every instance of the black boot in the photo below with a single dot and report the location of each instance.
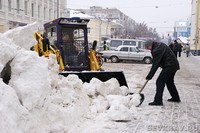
(156, 103)
(174, 100)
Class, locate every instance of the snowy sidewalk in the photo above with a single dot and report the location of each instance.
(180, 117)
(173, 117)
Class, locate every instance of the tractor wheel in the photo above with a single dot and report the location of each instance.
(100, 61)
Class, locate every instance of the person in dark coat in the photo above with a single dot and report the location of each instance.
(163, 57)
(171, 45)
(105, 47)
(70, 52)
(176, 48)
(45, 42)
(179, 49)
(68, 46)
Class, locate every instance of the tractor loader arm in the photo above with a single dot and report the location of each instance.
(45, 50)
(94, 64)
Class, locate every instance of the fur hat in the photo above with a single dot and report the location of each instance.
(148, 42)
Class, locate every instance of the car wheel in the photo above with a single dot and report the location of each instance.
(114, 59)
(147, 60)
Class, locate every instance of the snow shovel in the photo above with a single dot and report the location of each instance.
(142, 95)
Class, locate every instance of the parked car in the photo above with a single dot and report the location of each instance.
(127, 52)
(114, 43)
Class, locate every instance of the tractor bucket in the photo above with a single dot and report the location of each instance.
(86, 76)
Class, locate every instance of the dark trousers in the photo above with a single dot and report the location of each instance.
(175, 53)
(187, 53)
(166, 77)
(179, 53)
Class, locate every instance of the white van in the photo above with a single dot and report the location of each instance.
(114, 43)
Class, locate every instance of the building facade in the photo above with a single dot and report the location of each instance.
(99, 30)
(121, 23)
(195, 26)
(15, 13)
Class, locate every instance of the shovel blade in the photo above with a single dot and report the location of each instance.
(141, 100)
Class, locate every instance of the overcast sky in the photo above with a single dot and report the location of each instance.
(159, 14)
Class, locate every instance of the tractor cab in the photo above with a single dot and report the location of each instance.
(69, 35)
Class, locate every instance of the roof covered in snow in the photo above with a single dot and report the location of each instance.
(74, 13)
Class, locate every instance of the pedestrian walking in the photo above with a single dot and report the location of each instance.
(187, 49)
(179, 49)
(105, 47)
(176, 48)
(163, 57)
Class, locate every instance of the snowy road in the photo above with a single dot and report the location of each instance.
(172, 117)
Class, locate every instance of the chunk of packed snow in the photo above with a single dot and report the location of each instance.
(23, 36)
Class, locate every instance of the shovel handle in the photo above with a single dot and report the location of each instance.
(143, 86)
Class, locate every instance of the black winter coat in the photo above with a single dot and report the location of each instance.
(163, 57)
(177, 47)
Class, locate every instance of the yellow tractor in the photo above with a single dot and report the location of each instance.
(67, 39)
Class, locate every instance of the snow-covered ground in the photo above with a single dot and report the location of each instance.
(38, 100)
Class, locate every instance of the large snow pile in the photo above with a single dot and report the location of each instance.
(38, 100)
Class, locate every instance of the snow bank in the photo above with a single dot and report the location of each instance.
(44, 100)
(8, 51)
(12, 114)
(30, 79)
(23, 36)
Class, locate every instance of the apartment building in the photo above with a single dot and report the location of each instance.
(15, 13)
(195, 26)
(121, 23)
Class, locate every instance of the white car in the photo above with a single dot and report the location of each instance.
(127, 52)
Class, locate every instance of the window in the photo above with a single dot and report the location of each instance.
(55, 14)
(89, 30)
(124, 49)
(115, 43)
(45, 13)
(50, 10)
(52, 35)
(9, 5)
(18, 6)
(78, 33)
(133, 43)
(26, 7)
(132, 50)
(0, 4)
(38, 11)
(73, 43)
(32, 9)
(141, 45)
